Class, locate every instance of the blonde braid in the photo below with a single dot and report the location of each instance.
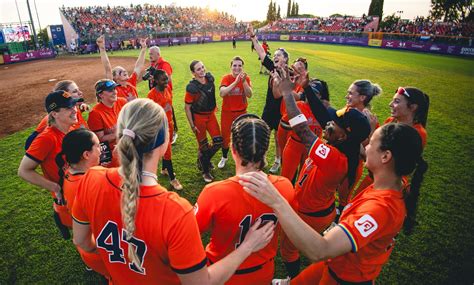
(145, 118)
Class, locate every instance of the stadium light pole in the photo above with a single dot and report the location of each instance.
(35, 37)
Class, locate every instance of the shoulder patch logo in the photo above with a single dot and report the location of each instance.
(366, 225)
(322, 151)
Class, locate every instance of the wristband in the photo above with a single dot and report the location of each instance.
(297, 120)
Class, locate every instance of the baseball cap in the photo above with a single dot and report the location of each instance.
(105, 85)
(60, 99)
(355, 123)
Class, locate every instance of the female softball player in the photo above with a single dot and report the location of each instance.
(61, 108)
(271, 111)
(410, 106)
(72, 88)
(143, 233)
(127, 85)
(226, 211)
(359, 95)
(235, 89)
(328, 164)
(162, 95)
(103, 119)
(354, 251)
(200, 108)
(81, 151)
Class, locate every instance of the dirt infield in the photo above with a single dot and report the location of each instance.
(24, 86)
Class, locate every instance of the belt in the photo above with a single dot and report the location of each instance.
(295, 139)
(250, 269)
(285, 125)
(343, 282)
(321, 213)
(234, 111)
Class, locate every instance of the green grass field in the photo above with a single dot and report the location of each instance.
(440, 251)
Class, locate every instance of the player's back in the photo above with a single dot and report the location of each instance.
(228, 212)
(166, 238)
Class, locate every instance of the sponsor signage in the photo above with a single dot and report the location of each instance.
(24, 56)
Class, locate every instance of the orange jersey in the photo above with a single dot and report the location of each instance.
(166, 238)
(371, 221)
(44, 149)
(70, 185)
(236, 99)
(129, 89)
(81, 123)
(322, 172)
(418, 127)
(164, 100)
(227, 211)
(103, 118)
(297, 89)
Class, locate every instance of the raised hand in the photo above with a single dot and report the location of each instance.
(285, 85)
(100, 42)
(143, 42)
(258, 185)
(250, 30)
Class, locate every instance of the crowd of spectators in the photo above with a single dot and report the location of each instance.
(323, 24)
(425, 26)
(149, 19)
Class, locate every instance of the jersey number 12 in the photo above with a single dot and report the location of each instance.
(246, 223)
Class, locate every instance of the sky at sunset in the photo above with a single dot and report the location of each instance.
(243, 10)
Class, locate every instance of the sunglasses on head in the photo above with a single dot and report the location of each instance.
(402, 91)
(109, 84)
(301, 59)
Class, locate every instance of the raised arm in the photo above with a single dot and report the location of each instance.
(141, 60)
(247, 88)
(297, 120)
(104, 58)
(260, 51)
(305, 238)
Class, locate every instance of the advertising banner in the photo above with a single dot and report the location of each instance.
(217, 38)
(284, 37)
(16, 34)
(375, 43)
(24, 56)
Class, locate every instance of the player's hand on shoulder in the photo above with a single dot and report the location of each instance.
(259, 186)
(259, 235)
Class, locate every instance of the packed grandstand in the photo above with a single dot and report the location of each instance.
(139, 20)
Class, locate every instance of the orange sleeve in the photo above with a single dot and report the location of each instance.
(225, 81)
(189, 98)
(40, 148)
(185, 251)
(167, 68)
(42, 125)
(95, 121)
(204, 210)
(366, 223)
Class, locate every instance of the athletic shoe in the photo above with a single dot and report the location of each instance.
(281, 281)
(88, 268)
(175, 137)
(207, 177)
(221, 163)
(176, 185)
(275, 167)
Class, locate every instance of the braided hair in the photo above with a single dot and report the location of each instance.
(146, 119)
(404, 143)
(251, 138)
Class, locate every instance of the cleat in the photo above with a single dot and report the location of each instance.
(221, 163)
(176, 184)
(175, 137)
(207, 177)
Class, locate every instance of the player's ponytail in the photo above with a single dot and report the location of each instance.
(251, 138)
(404, 143)
(74, 144)
(142, 121)
(368, 89)
(422, 100)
